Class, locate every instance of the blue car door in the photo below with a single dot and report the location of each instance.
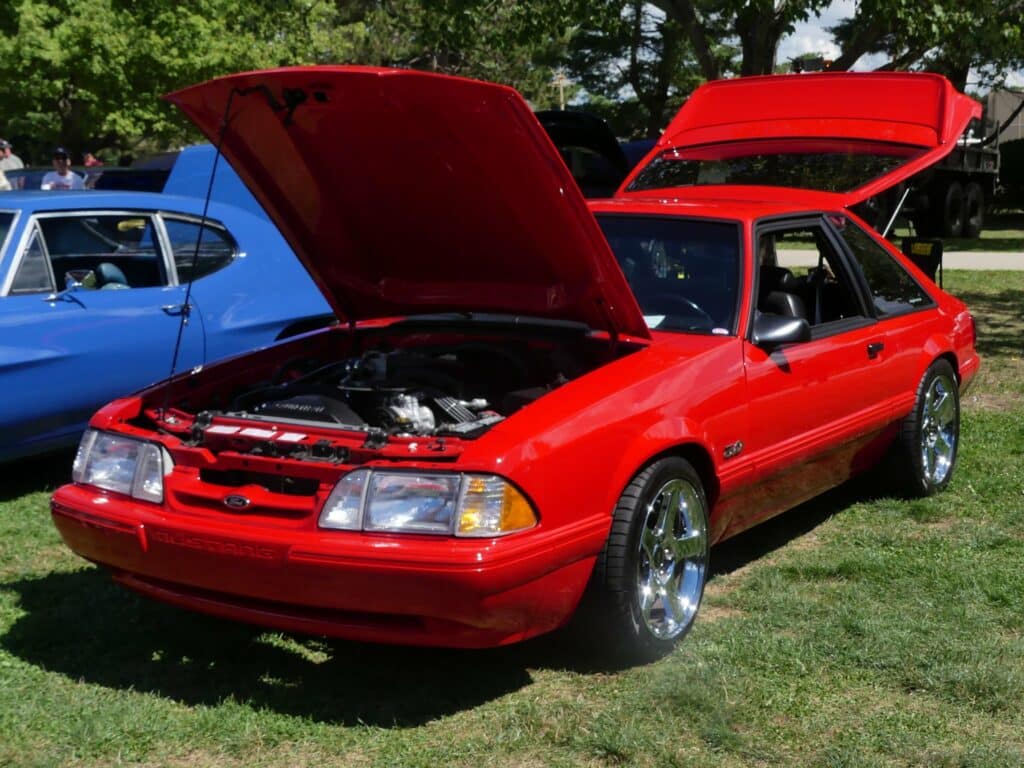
(89, 313)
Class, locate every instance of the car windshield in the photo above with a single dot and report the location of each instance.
(683, 272)
(825, 165)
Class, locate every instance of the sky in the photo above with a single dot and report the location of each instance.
(812, 37)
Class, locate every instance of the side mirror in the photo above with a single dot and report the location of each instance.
(76, 279)
(774, 330)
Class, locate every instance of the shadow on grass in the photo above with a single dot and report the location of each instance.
(41, 473)
(1000, 322)
(83, 626)
(765, 538)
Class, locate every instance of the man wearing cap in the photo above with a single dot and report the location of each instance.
(8, 160)
(62, 177)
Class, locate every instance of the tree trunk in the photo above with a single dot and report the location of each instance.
(684, 13)
(671, 56)
(759, 31)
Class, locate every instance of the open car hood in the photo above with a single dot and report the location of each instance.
(408, 193)
(851, 134)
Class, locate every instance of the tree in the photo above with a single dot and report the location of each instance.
(941, 35)
(634, 66)
(759, 25)
(88, 74)
(518, 42)
(951, 38)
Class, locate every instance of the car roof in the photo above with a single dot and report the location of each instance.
(71, 200)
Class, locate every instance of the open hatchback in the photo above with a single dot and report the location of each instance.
(532, 404)
(852, 136)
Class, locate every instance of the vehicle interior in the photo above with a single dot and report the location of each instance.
(820, 294)
(684, 273)
(122, 252)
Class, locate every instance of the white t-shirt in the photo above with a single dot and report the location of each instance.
(54, 180)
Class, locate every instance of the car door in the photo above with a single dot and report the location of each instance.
(904, 309)
(89, 312)
(817, 408)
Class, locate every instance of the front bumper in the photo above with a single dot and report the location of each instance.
(413, 590)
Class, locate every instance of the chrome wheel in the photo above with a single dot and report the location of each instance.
(672, 558)
(939, 429)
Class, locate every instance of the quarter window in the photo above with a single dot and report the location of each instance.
(33, 275)
(893, 290)
(199, 249)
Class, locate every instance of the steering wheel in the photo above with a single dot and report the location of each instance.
(686, 307)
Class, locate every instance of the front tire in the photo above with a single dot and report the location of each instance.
(930, 434)
(649, 580)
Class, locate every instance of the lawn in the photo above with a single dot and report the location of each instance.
(856, 630)
(1003, 233)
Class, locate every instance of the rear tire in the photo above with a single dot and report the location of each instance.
(974, 204)
(930, 434)
(649, 579)
(953, 210)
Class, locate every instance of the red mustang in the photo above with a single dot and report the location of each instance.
(532, 403)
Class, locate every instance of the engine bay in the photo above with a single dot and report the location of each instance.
(458, 390)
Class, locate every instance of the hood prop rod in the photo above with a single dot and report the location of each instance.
(187, 306)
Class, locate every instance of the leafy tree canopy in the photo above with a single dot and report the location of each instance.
(87, 74)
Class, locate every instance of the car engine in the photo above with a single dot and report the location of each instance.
(458, 390)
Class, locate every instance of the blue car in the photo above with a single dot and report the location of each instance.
(93, 291)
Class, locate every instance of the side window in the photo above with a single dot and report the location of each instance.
(121, 250)
(33, 272)
(209, 247)
(822, 294)
(893, 290)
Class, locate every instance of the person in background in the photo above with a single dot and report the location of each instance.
(62, 177)
(90, 160)
(8, 160)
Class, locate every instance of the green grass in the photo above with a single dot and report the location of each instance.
(1002, 233)
(856, 630)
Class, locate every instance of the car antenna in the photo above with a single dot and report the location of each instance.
(186, 307)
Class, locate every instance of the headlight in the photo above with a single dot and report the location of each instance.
(427, 502)
(121, 464)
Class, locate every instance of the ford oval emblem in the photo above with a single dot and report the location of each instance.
(235, 501)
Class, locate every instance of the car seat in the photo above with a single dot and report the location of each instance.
(110, 277)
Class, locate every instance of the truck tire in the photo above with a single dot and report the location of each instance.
(953, 210)
(974, 205)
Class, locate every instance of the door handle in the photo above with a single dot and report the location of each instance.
(177, 309)
(875, 348)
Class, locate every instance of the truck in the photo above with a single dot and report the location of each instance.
(948, 200)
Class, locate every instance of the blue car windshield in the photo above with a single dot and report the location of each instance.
(685, 273)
